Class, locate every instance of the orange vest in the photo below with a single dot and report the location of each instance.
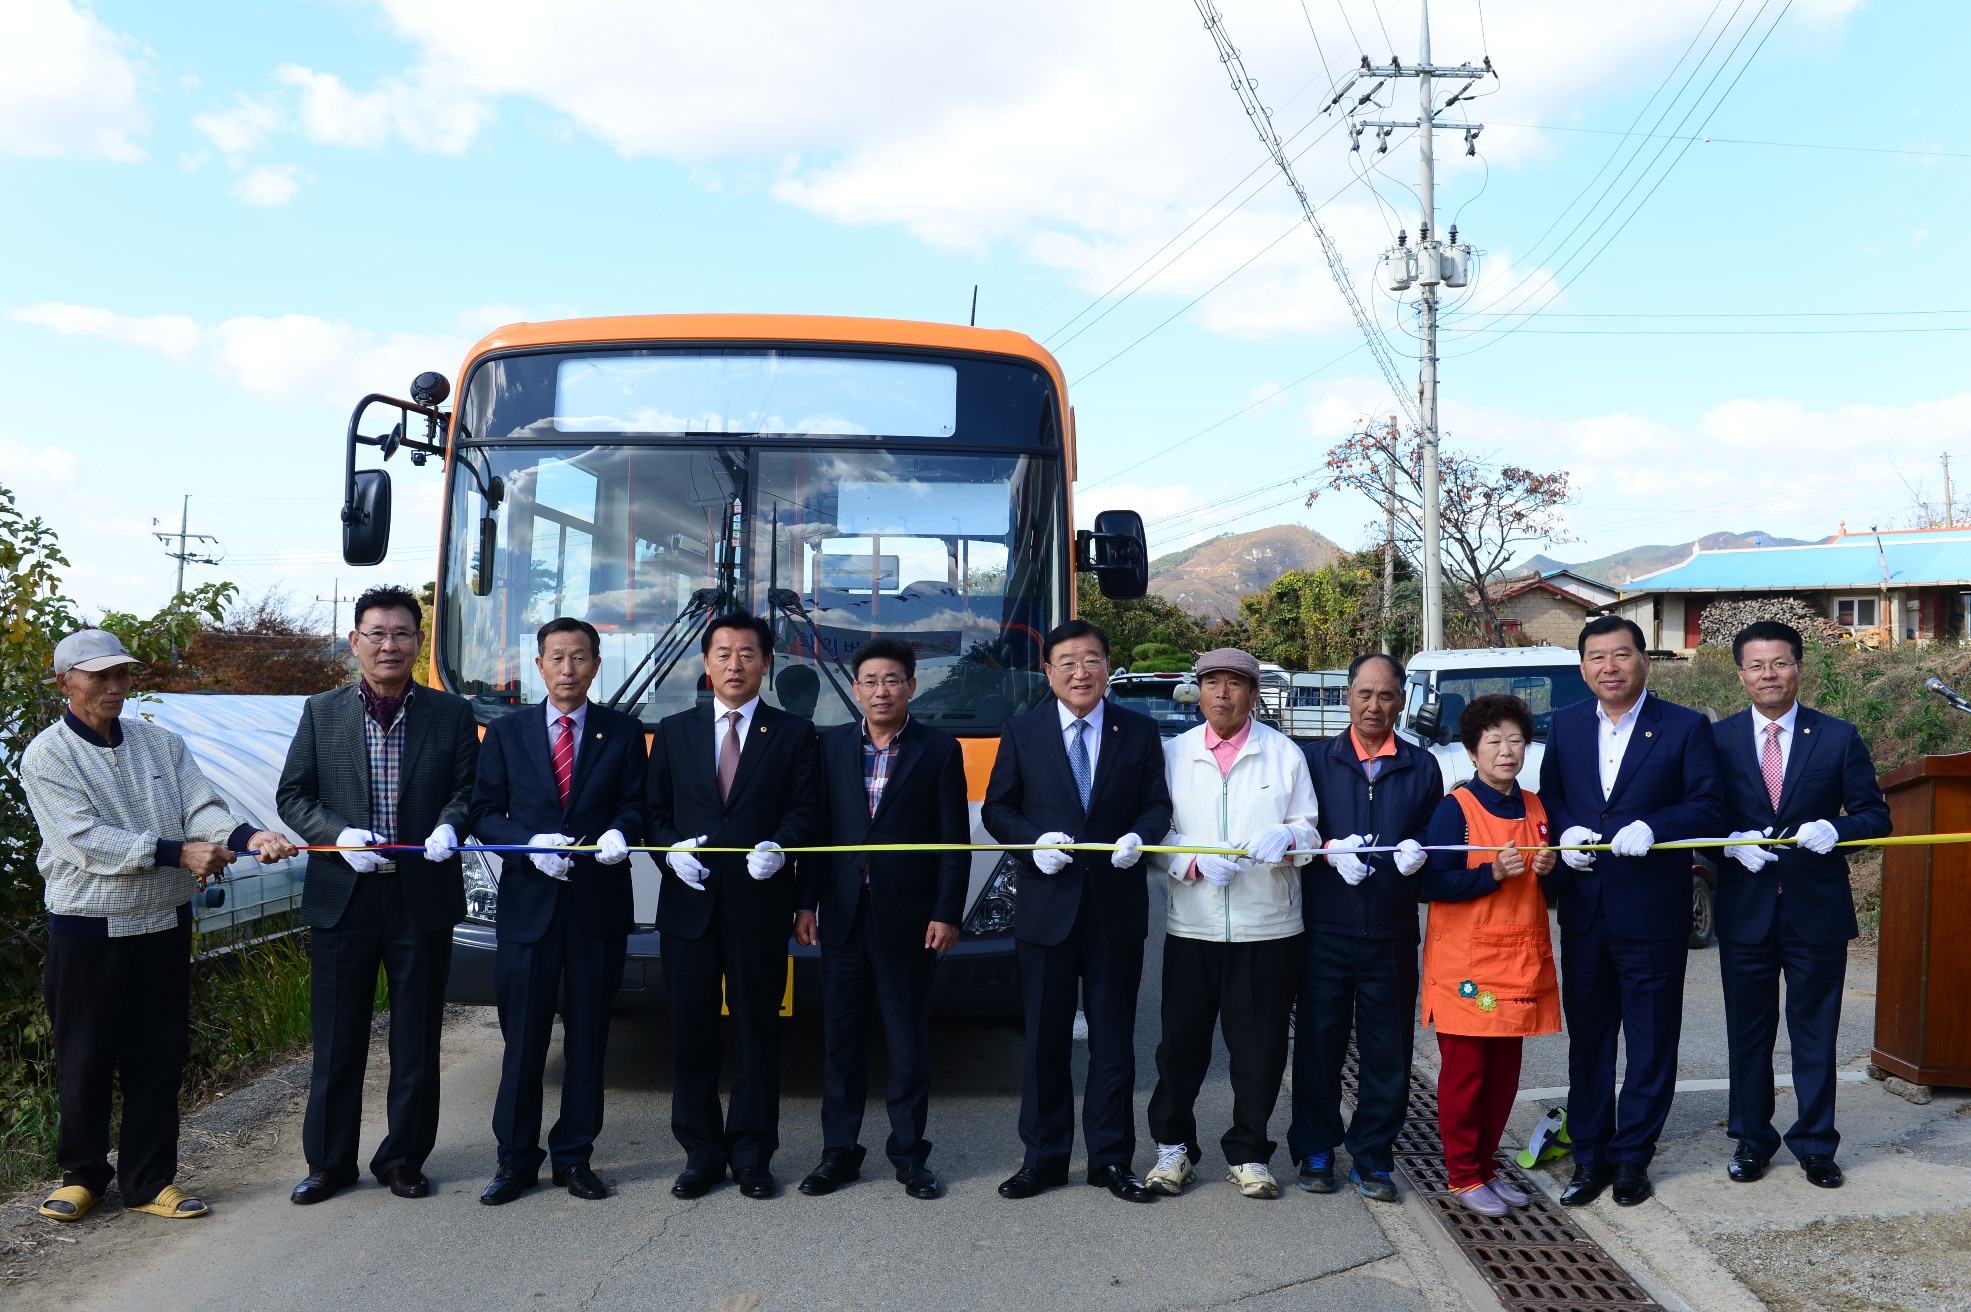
(1488, 964)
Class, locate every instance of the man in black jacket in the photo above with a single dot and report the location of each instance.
(883, 917)
(733, 773)
(1079, 769)
(381, 763)
(570, 774)
(1374, 790)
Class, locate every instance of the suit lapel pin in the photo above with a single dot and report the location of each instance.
(1806, 731)
(1648, 733)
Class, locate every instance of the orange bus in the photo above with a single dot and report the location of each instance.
(843, 478)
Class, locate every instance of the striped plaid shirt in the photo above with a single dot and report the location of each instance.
(876, 763)
(105, 812)
(386, 753)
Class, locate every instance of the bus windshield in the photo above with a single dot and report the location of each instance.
(1544, 689)
(959, 553)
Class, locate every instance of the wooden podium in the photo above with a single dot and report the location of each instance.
(1923, 981)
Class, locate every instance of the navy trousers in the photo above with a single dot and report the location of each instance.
(582, 974)
(1815, 974)
(1634, 989)
(1367, 986)
(1106, 975)
(856, 978)
(752, 972)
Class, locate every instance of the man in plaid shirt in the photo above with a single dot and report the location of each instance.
(882, 918)
(129, 829)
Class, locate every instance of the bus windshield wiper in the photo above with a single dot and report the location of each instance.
(670, 647)
(788, 602)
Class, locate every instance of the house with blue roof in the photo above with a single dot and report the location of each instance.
(1900, 585)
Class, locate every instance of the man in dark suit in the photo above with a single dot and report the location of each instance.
(1079, 769)
(1643, 771)
(734, 773)
(883, 917)
(1787, 909)
(563, 777)
(374, 765)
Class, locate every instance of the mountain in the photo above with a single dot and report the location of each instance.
(1208, 579)
(1621, 566)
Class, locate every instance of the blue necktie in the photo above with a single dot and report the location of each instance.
(1084, 773)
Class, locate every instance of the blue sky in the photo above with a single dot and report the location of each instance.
(229, 221)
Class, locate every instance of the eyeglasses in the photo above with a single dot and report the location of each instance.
(888, 683)
(1093, 664)
(388, 637)
(1776, 667)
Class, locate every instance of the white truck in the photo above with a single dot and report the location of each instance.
(1440, 684)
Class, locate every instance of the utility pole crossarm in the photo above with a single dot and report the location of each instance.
(1262, 122)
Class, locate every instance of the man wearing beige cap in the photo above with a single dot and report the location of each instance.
(1232, 944)
(129, 827)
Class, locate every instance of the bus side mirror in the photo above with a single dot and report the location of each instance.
(1428, 722)
(1117, 552)
(366, 518)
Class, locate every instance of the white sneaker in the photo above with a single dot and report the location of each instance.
(1254, 1179)
(1172, 1171)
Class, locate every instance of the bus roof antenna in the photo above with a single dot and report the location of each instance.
(975, 305)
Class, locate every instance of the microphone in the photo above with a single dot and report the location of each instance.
(1946, 692)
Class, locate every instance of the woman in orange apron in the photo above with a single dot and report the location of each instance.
(1488, 960)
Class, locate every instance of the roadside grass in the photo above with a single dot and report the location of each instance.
(249, 1013)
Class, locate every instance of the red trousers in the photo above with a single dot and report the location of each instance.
(1476, 1085)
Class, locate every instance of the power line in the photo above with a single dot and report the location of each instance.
(1694, 332)
(1748, 141)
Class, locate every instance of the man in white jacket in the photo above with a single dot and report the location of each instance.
(1232, 947)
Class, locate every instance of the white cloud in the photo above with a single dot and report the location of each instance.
(269, 185)
(242, 128)
(172, 335)
(68, 86)
(421, 109)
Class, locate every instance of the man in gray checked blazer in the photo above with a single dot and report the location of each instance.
(385, 762)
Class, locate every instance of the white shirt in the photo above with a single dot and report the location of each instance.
(580, 715)
(719, 711)
(1094, 739)
(1613, 739)
(1785, 723)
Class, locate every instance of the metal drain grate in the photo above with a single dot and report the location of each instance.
(1535, 1258)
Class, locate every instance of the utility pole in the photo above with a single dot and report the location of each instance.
(1950, 507)
(1429, 264)
(335, 609)
(1389, 539)
(184, 539)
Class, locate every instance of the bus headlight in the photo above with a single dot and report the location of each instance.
(993, 913)
(482, 887)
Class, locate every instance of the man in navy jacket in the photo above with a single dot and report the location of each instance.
(567, 774)
(1360, 972)
(1791, 771)
(1079, 769)
(1641, 771)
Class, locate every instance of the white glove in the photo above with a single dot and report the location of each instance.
(1049, 858)
(362, 863)
(686, 866)
(612, 848)
(1410, 857)
(1575, 836)
(1269, 846)
(1217, 870)
(554, 867)
(1341, 855)
(1752, 858)
(442, 845)
(1818, 836)
(1129, 850)
(1632, 839)
(765, 860)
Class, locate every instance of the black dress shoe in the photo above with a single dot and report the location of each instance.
(508, 1184)
(754, 1181)
(919, 1182)
(1632, 1185)
(319, 1187)
(580, 1181)
(1822, 1170)
(407, 1182)
(1586, 1186)
(1747, 1164)
(1123, 1183)
(838, 1167)
(1031, 1180)
(697, 1181)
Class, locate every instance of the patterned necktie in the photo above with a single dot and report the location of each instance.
(564, 757)
(1084, 774)
(1772, 766)
(729, 755)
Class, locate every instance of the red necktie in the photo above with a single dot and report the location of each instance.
(1772, 766)
(564, 757)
